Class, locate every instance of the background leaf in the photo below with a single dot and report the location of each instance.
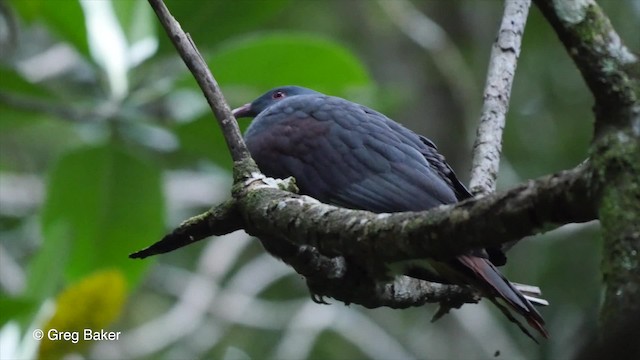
(15, 308)
(229, 20)
(14, 82)
(109, 203)
(264, 61)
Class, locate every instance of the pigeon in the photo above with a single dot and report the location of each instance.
(348, 155)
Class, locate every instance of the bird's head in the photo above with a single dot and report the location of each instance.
(268, 99)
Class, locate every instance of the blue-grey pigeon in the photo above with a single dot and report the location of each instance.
(349, 155)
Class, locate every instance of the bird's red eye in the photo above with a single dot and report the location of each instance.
(278, 94)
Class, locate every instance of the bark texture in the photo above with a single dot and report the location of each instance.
(612, 73)
(497, 92)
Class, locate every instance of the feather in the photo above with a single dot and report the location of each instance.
(352, 156)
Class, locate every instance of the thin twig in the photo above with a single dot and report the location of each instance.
(192, 58)
(502, 68)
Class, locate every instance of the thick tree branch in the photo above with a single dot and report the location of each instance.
(612, 73)
(347, 282)
(610, 70)
(621, 343)
(313, 237)
(374, 239)
(497, 92)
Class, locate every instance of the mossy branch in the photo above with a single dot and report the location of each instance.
(612, 73)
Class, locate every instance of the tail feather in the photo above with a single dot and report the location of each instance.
(497, 286)
(536, 300)
(511, 318)
(531, 293)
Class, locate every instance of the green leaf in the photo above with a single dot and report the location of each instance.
(15, 308)
(14, 83)
(46, 269)
(209, 22)
(266, 61)
(102, 204)
(64, 18)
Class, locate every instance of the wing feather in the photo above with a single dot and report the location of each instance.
(351, 155)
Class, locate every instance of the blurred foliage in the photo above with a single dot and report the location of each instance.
(100, 121)
(93, 303)
(106, 201)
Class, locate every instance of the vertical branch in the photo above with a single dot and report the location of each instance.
(608, 67)
(612, 73)
(502, 68)
(192, 58)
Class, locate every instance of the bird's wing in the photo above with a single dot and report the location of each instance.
(392, 172)
(438, 162)
(344, 153)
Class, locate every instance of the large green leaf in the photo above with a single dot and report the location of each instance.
(267, 60)
(65, 18)
(46, 269)
(15, 308)
(210, 22)
(102, 204)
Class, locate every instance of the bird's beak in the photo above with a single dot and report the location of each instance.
(242, 111)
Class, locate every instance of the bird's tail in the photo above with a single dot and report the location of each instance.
(497, 286)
